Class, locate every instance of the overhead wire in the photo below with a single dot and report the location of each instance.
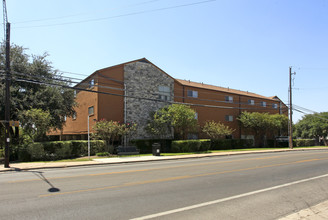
(129, 96)
(119, 16)
(86, 85)
(75, 15)
(199, 91)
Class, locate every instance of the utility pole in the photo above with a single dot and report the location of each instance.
(290, 109)
(7, 88)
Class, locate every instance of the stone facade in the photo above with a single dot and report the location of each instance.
(144, 80)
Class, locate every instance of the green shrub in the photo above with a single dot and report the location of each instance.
(227, 144)
(56, 150)
(145, 146)
(270, 143)
(35, 151)
(221, 144)
(303, 142)
(102, 154)
(183, 146)
(2, 153)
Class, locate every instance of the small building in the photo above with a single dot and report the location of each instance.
(131, 91)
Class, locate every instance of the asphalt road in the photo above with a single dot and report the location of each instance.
(256, 186)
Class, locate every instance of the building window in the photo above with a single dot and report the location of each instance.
(91, 110)
(192, 93)
(229, 99)
(263, 104)
(251, 102)
(274, 105)
(74, 116)
(229, 118)
(92, 83)
(65, 118)
(75, 93)
(164, 93)
(196, 115)
(192, 136)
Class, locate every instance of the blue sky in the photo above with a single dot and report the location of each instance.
(241, 44)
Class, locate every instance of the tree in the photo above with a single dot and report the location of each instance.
(313, 126)
(35, 123)
(216, 130)
(111, 131)
(29, 91)
(179, 117)
(262, 123)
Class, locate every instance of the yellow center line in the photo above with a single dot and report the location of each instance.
(153, 169)
(179, 178)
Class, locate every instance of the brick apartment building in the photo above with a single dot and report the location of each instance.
(129, 92)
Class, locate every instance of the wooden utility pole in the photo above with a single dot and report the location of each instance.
(290, 109)
(7, 82)
(7, 96)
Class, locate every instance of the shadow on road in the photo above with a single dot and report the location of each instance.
(43, 178)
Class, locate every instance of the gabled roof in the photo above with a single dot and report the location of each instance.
(144, 60)
(222, 89)
(188, 82)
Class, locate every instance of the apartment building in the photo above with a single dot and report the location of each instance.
(131, 91)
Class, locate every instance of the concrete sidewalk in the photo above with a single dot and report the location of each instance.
(118, 160)
(317, 212)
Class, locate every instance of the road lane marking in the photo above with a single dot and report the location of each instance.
(178, 178)
(151, 169)
(118, 186)
(227, 199)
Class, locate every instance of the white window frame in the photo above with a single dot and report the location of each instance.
(164, 93)
(93, 110)
(229, 118)
(263, 104)
(196, 115)
(229, 99)
(92, 83)
(74, 116)
(275, 106)
(192, 93)
(251, 102)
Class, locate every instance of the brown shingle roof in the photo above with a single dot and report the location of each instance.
(221, 89)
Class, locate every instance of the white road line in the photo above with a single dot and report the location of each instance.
(226, 199)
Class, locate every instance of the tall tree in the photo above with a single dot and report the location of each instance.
(35, 123)
(29, 91)
(216, 130)
(179, 117)
(313, 126)
(261, 123)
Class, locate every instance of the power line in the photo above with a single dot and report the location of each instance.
(130, 96)
(119, 16)
(86, 85)
(75, 15)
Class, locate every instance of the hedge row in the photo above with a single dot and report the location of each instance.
(190, 145)
(56, 150)
(303, 142)
(171, 146)
(145, 146)
(226, 144)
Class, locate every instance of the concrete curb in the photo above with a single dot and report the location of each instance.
(50, 165)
